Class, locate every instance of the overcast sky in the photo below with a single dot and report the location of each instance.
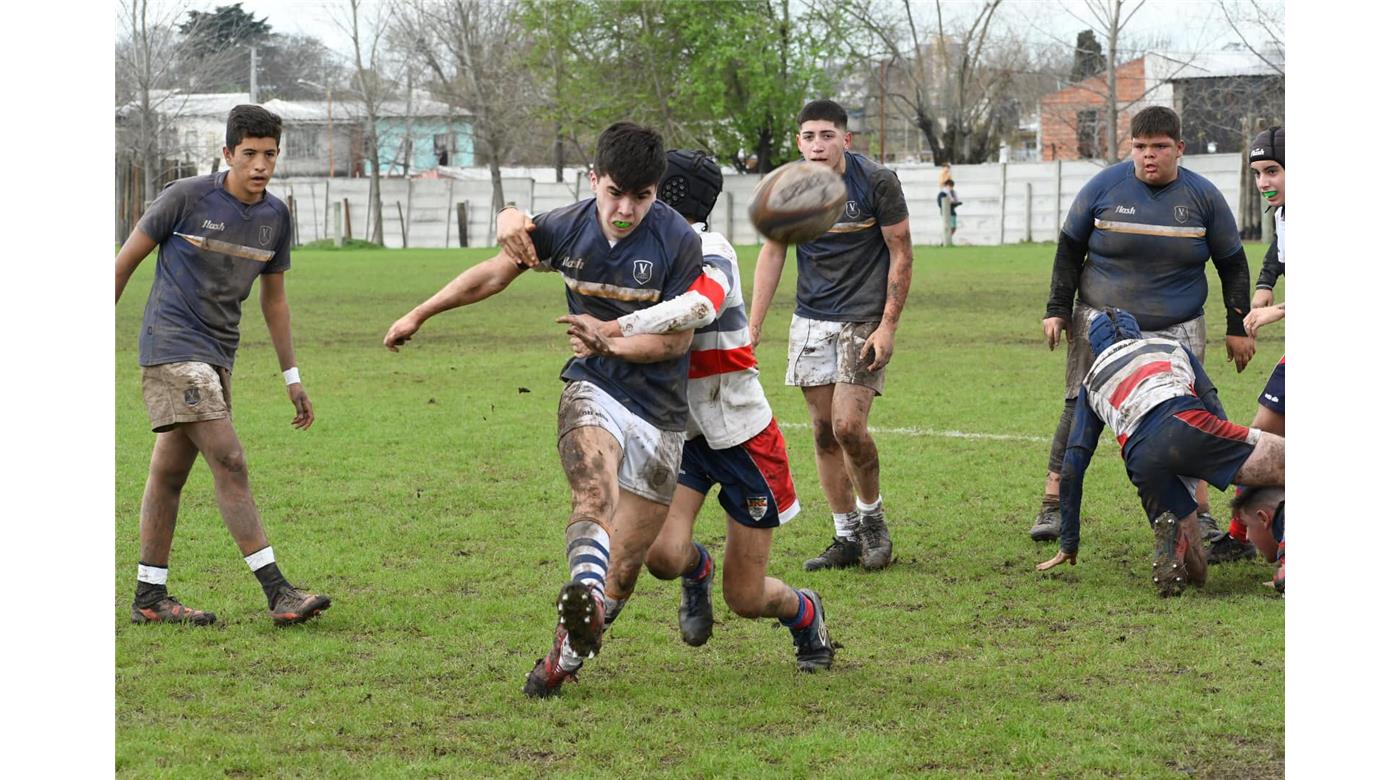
(1190, 25)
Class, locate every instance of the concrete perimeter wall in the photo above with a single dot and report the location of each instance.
(1001, 202)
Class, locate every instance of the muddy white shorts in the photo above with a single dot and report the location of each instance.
(824, 352)
(650, 456)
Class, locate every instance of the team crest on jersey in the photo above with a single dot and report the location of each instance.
(758, 507)
(265, 235)
(1181, 214)
(852, 210)
(641, 271)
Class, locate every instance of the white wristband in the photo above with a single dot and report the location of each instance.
(291, 376)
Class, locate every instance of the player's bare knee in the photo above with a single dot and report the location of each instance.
(232, 463)
(852, 435)
(745, 602)
(664, 563)
(825, 436)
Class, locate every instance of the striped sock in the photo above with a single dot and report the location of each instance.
(704, 567)
(846, 523)
(806, 610)
(588, 550)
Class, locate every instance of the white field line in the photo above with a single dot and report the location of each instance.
(944, 434)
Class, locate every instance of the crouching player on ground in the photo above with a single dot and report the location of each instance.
(1167, 417)
(1260, 511)
(732, 440)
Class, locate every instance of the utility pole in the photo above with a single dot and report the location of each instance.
(253, 74)
(883, 64)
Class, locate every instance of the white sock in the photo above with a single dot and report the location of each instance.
(846, 524)
(260, 558)
(869, 509)
(152, 575)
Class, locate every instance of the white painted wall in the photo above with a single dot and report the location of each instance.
(993, 211)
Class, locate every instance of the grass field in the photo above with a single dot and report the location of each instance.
(428, 502)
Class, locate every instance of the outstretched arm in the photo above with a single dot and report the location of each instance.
(278, 316)
(1083, 440)
(479, 282)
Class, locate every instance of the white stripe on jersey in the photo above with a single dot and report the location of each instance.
(726, 339)
(1141, 374)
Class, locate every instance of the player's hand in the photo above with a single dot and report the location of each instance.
(401, 332)
(1239, 349)
(588, 336)
(1262, 298)
(880, 347)
(513, 236)
(1261, 316)
(1053, 326)
(1060, 557)
(302, 404)
(755, 333)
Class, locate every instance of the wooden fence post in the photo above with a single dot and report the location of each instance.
(462, 223)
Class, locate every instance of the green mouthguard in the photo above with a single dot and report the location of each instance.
(1270, 193)
(620, 225)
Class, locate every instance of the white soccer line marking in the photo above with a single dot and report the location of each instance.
(945, 434)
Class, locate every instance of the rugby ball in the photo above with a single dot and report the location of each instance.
(797, 202)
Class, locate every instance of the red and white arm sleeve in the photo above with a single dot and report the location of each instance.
(695, 308)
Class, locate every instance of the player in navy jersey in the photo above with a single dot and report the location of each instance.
(852, 283)
(1137, 238)
(732, 440)
(1156, 397)
(217, 235)
(622, 416)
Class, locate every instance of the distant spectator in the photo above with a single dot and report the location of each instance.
(948, 193)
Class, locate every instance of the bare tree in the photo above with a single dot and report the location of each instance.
(1259, 27)
(366, 30)
(1111, 20)
(153, 77)
(472, 49)
(953, 80)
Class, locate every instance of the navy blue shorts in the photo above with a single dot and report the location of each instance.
(1186, 442)
(1272, 397)
(755, 483)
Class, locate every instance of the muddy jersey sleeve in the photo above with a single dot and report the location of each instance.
(887, 198)
(165, 213)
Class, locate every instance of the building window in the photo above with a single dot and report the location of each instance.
(444, 145)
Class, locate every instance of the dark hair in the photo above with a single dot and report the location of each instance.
(819, 110)
(1156, 120)
(692, 184)
(1256, 495)
(251, 122)
(634, 157)
(948, 183)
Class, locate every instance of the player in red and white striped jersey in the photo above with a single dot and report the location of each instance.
(732, 437)
(1155, 396)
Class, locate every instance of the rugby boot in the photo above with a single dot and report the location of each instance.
(549, 673)
(581, 615)
(1227, 548)
(1210, 529)
(1046, 527)
(840, 554)
(168, 610)
(874, 538)
(815, 650)
(1169, 557)
(697, 618)
(294, 605)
